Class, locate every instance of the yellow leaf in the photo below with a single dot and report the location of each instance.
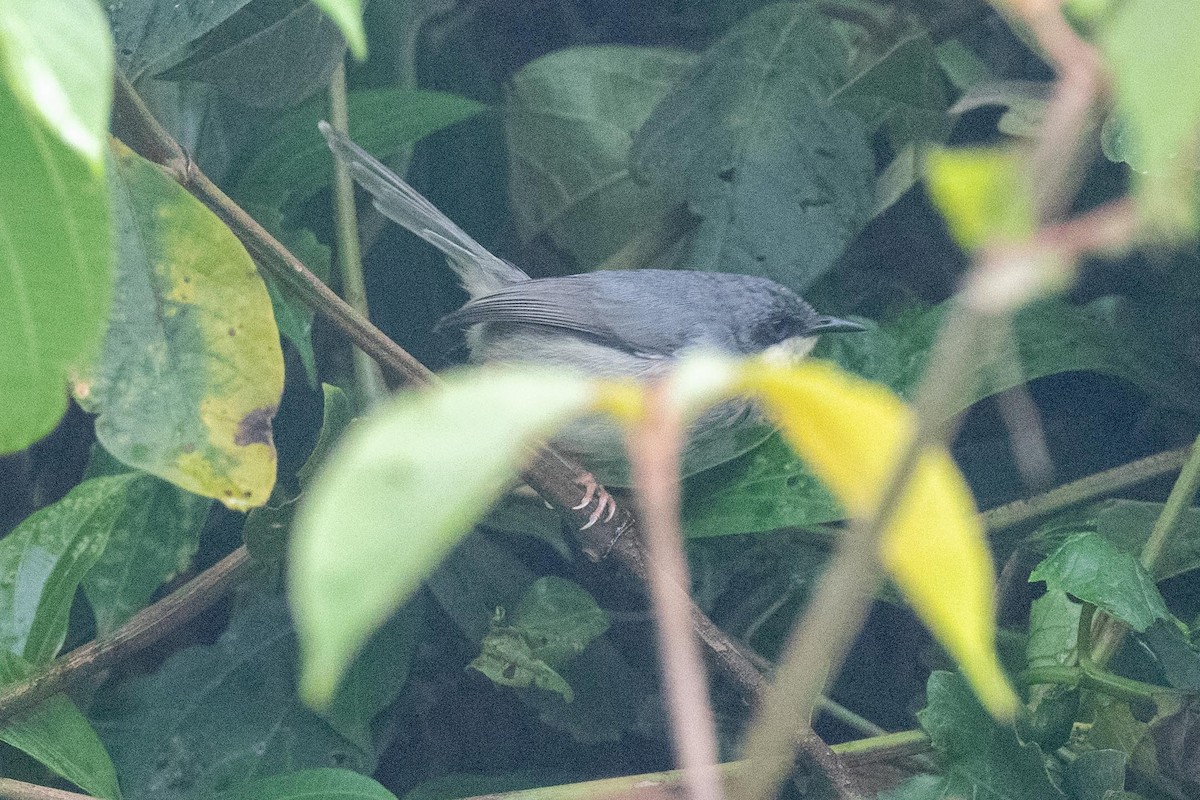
(981, 193)
(851, 432)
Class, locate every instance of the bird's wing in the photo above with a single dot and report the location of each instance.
(552, 302)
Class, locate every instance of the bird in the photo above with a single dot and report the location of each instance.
(617, 324)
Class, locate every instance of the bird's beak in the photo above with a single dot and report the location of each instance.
(834, 325)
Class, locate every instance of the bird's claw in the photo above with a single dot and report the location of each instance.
(604, 501)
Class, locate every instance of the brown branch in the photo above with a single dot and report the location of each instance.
(142, 630)
(20, 790)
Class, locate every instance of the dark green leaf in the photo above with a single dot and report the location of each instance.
(295, 163)
(781, 179)
(59, 736)
(145, 36)
(265, 59)
(310, 784)
(611, 693)
(153, 539)
(214, 717)
(54, 288)
(293, 316)
(377, 675)
(1095, 773)
(902, 93)
(570, 118)
(1095, 571)
(1177, 657)
(981, 759)
(768, 488)
(43, 560)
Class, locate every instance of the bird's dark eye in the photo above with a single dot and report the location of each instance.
(781, 328)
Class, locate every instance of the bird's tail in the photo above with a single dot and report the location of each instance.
(479, 271)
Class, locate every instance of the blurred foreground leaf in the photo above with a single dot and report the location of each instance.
(852, 433)
(413, 478)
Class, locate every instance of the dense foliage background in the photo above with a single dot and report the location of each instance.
(788, 140)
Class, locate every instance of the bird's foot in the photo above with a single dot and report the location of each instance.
(592, 490)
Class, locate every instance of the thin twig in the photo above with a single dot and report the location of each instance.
(1085, 489)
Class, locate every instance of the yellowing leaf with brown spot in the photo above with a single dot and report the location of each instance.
(851, 432)
(191, 371)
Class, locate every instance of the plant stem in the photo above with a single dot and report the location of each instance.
(371, 387)
(1111, 632)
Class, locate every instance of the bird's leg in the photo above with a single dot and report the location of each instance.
(592, 490)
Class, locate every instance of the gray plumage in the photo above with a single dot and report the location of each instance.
(610, 323)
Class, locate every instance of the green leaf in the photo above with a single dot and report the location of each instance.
(556, 620)
(902, 93)
(326, 784)
(41, 564)
(1176, 655)
(252, 56)
(980, 759)
(781, 179)
(215, 717)
(378, 675)
(1128, 523)
(348, 16)
(436, 460)
(145, 36)
(1053, 630)
(1095, 773)
(757, 492)
(1151, 47)
(57, 60)
(295, 162)
(43, 560)
(154, 537)
(191, 371)
(1094, 570)
(611, 692)
(59, 736)
(570, 117)
(55, 271)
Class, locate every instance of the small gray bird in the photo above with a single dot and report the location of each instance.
(631, 323)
